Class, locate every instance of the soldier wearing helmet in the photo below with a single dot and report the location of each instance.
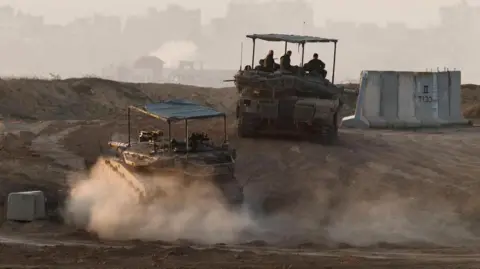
(285, 61)
(260, 66)
(316, 65)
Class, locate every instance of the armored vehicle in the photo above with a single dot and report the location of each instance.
(288, 101)
(155, 155)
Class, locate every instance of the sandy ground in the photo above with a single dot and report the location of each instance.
(137, 255)
(378, 199)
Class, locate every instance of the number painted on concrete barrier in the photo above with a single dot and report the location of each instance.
(425, 99)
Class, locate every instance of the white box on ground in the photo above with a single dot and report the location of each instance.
(26, 206)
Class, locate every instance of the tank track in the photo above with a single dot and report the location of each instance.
(321, 133)
(246, 126)
(325, 134)
(118, 168)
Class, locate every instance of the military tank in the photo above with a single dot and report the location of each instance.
(155, 155)
(288, 102)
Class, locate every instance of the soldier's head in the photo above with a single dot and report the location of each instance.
(289, 53)
(270, 52)
(315, 56)
(261, 61)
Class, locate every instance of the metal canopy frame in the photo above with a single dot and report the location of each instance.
(169, 121)
(295, 39)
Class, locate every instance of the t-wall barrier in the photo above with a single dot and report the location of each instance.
(388, 99)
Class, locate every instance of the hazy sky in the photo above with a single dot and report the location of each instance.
(416, 13)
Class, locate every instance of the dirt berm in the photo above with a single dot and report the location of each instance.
(91, 98)
(375, 186)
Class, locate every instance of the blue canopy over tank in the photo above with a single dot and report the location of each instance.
(180, 109)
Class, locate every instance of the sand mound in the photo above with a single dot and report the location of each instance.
(92, 98)
(471, 101)
(472, 111)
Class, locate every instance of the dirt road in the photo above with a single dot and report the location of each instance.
(38, 253)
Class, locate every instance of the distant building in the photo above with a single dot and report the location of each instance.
(143, 69)
(151, 64)
(460, 15)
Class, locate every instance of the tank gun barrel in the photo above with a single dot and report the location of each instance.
(252, 79)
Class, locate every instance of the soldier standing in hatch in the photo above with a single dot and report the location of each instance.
(316, 65)
(269, 62)
(285, 61)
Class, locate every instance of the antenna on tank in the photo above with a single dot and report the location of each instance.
(241, 56)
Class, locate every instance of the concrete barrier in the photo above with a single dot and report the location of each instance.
(26, 206)
(388, 99)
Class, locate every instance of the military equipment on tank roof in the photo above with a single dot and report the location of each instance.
(157, 154)
(288, 101)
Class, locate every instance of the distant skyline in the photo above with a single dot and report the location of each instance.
(29, 48)
(415, 13)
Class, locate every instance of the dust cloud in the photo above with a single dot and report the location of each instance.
(329, 215)
(103, 204)
(173, 52)
(398, 220)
